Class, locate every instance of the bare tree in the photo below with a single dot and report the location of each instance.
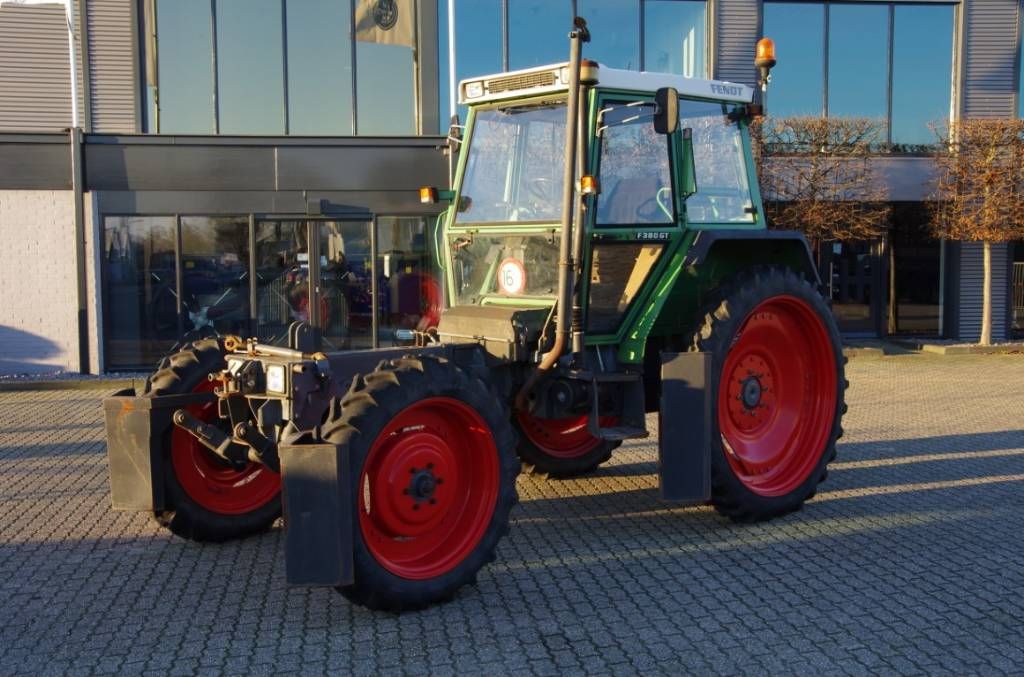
(817, 177)
(980, 191)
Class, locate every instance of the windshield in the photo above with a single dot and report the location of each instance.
(514, 168)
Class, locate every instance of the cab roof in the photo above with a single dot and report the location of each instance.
(554, 78)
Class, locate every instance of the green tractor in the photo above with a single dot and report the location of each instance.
(606, 256)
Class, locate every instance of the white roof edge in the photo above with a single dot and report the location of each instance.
(647, 81)
(617, 78)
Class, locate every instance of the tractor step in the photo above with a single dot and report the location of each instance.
(619, 433)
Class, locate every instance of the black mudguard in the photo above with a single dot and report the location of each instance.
(136, 428)
(684, 428)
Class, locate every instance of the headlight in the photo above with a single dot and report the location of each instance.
(275, 378)
(474, 89)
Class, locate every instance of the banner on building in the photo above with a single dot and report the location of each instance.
(386, 22)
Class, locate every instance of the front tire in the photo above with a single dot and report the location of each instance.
(433, 471)
(778, 386)
(206, 499)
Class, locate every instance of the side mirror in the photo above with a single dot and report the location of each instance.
(689, 170)
(666, 110)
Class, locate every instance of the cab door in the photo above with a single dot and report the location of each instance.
(634, 218)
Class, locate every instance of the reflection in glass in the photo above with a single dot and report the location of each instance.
(214, 275)
(346, 304)
(636, 182)
(537, 32)
(615, 30)
(319, 67)
(921, 77)
(858, 60)
(385, 85)
(250, 67)
(282, 278)
(184, 69)
(723, 191)
(409, 289)
(139, 292)
(514, 168)
(486, 266)
(798, 80)
(477, 47)
(674, 33)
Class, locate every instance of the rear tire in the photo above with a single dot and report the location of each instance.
(433, 480)
(205, 499)
(778, 386)
(560, 448)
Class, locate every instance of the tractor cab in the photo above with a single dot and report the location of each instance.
(657, 158)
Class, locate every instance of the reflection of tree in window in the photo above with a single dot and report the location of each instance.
(513, 171)
(723, 193)
(635, 178)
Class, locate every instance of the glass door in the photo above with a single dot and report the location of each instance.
(854, 273)
(343, 263)
(319, 272)
(282, 278)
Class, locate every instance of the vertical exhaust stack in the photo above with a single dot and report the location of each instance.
(563, 319)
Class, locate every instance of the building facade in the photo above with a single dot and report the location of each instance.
(245, 163)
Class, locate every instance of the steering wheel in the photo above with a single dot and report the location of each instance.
(539, 188)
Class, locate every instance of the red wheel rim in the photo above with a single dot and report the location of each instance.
(429, 487)
(208, 480)
(777, 396)
(562, 437)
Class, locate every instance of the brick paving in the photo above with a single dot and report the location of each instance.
(909, 561)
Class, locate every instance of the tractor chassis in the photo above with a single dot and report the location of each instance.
(317, 510)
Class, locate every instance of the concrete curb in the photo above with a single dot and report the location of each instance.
(862, 351)
(943, 349)
(28, 385)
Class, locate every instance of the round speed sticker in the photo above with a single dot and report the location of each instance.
(512, 276)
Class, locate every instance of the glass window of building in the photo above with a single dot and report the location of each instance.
(276, 67)
(319, 67)
(615, 30)
(409, 286)
(215, 275)
(921, 71)
(181, 100)
(674, 33)
(250, 67)
(478, 46)
(888, 61)
(858, 60)
(140, 299)
(346, 271)
(537, 32)
(798, 80)
(282, 278)
(385, 89)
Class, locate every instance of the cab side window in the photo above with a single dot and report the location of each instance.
(723, 193)
(636, 182)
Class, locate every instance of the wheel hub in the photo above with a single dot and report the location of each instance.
(408, 496)
(751, 392)
(424, 482)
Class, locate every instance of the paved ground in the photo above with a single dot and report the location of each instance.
(909, 561)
